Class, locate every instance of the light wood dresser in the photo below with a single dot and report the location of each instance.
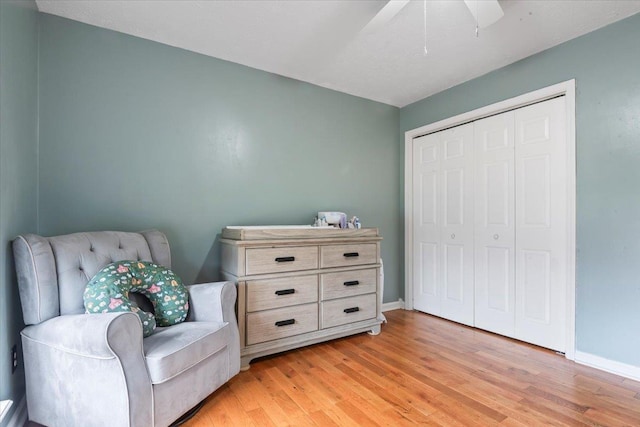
(300, 286)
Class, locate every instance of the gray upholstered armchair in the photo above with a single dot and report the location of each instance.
(96, 369)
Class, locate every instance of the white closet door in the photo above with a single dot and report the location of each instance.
(457, 165)
(541, 224)
(443, 230)
(426, 226)
(494, 224)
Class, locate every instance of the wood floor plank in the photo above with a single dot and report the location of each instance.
(422, 370)
(357, 413)
(404, 405)
(609, 419)
(294, 389)
(249, 393)
(443, 385)
(630, 384)
(509, 405)
(259, 417)
(228, 412)
(321, 419)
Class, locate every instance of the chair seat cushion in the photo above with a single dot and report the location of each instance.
(174, 349)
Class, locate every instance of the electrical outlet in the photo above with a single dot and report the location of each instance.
(14, 358)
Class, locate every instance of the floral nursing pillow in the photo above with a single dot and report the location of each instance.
(108, 291)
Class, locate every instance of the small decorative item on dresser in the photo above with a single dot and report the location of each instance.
(354, 222)
(337, 219)
(302, 285)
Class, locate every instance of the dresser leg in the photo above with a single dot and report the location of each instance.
(244, 364)
(375, 330)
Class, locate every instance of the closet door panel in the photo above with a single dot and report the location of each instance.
(426, 214)
(535, 287)
(496, 193)
(456, 285)
(443, 234)
(428, 275)
(453, 270)
(541, 212)
(498, 272)
(494, 224)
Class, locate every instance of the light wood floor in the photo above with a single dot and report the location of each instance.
(421, 370)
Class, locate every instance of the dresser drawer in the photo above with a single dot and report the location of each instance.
(346, 255)
(348, 283)
(276, 293)
(348, 310)
(281, 259)
(281, 323)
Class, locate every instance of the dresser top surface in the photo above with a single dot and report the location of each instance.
(289, 232)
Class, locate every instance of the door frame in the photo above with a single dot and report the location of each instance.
(566, 88)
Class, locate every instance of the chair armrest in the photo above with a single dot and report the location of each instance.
(86, 334)
(212, 302)
(216, 302)
(98, 357)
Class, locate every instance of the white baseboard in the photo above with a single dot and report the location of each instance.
(618, 368)
(19, 417)
(5, 405)
(394, 305)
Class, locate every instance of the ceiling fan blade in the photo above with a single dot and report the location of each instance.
(385, 14)
(485, 12)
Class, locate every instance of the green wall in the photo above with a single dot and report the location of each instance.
(18, 172)
(606, 66)
(136, 134)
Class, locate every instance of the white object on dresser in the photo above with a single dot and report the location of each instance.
(301, 286)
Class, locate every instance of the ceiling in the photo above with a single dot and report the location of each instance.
(322, 42)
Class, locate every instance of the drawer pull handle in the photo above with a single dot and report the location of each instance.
(351, 309)
(351, 254)
(285, 322)
(285, 292)
(285, 259)
(351, 283)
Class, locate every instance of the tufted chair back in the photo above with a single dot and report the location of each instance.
(53, 271)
